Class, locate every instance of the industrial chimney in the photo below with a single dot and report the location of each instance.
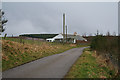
(66, 33)
(63, 27)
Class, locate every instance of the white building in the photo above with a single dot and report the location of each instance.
(59, 36)
(70, 38)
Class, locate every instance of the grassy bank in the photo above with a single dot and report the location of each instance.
(15, 53)
(89, 65)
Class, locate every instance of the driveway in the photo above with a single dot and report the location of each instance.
(55, 66)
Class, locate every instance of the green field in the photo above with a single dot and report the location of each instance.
(90, 66)
(15, 53)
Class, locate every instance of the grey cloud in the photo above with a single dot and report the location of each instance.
(45, 17)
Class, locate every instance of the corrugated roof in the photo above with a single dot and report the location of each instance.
(45, 36)
(42, 36)
(77, 37)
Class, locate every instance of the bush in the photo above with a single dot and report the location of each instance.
(107, 46)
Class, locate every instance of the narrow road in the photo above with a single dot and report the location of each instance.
(55, 66)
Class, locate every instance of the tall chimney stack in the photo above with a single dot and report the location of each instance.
(63, 27)
(66, 33)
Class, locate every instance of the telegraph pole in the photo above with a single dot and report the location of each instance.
(63, 27)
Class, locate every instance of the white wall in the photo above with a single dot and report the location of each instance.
(59, 36)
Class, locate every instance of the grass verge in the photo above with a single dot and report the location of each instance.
(15, 53)
(89, 65)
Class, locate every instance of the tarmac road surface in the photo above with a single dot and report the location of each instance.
(55, 66)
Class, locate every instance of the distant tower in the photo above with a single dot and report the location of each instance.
(63, 27)
(66, 33)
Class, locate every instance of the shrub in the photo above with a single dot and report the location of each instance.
(106, 46)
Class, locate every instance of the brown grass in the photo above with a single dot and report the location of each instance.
(15, 53)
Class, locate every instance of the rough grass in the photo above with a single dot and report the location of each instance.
(89, 65)
(15, 53)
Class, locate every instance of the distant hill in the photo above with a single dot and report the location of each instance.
(42, 36)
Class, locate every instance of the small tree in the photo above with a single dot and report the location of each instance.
(108, 33)
(3, 21)
(97, 32)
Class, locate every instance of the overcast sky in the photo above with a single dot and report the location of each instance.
(46, 17)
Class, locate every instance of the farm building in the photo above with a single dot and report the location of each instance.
(62, 37)
(70, 38)
(40, 36)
